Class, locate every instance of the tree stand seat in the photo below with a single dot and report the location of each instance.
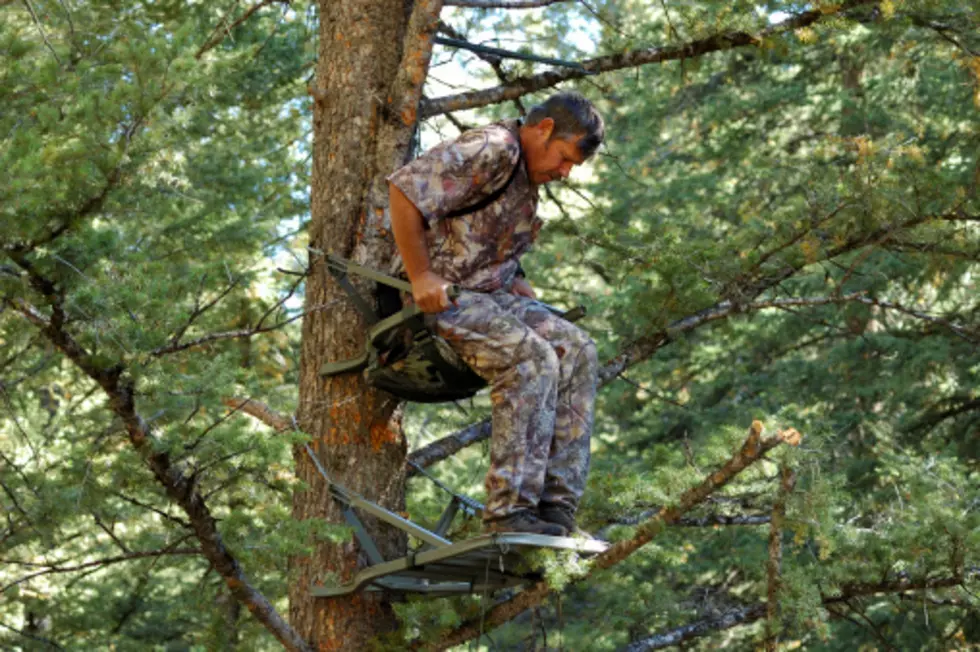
(440, 567)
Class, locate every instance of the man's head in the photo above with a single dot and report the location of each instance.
(558, 134)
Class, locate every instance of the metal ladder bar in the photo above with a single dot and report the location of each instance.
(351, 500)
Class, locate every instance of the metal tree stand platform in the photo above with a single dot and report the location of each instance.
(440, 567)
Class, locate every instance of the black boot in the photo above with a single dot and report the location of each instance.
(523, 521)
(558, 515)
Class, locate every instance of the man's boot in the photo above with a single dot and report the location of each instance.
(558, 515)
(523, 521)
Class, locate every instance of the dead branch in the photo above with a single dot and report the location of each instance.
(260, 411)
(752, 450)
(498, 69)
(715, 43)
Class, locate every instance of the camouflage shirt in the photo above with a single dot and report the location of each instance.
(479, 250)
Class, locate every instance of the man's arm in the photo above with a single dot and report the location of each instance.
(428, 288)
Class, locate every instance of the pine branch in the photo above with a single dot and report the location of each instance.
(235, 334)
(715, 43)
(752, 450)
(221, 31)
(30, 8)
(67, 218)
(180, 487)
(750, 614)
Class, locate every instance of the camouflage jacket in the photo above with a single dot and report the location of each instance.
(479, 250)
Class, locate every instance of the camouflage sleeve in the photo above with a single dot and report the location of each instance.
(459, 173)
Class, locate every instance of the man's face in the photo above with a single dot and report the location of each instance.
(549, 159)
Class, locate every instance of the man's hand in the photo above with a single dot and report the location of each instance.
(522, 288)
(429, 292)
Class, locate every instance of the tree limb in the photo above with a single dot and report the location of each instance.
(548, 79)
(260, 411)
(65, 219)
(26, 634)
(231, 335)
(787, 480)
(708, 520)
(501, 4)
(56, 567)
(698, 628)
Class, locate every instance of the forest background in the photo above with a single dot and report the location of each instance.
(782, 226)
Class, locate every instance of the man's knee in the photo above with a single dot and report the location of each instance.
(535, 357)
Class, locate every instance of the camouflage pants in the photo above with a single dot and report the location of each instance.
(542, 375)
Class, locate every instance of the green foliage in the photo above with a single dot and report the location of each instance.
(156, 190)
(159, 191)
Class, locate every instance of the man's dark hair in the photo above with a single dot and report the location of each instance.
(574, 116)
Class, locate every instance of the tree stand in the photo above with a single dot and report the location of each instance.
(438, 566)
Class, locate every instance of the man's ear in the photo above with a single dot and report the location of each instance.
(545, 128)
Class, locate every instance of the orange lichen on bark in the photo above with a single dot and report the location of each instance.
(408, 116)
(381, 435)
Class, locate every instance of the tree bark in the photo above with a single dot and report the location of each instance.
(372, 60)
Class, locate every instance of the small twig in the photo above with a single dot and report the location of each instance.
(236, 334)
(39, 639)
(220, 33)
(30, 8)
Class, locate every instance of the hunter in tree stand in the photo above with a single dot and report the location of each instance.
(463, 214)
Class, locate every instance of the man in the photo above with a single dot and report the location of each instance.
(464, 213)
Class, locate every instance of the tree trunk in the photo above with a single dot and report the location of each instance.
(373, 56)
